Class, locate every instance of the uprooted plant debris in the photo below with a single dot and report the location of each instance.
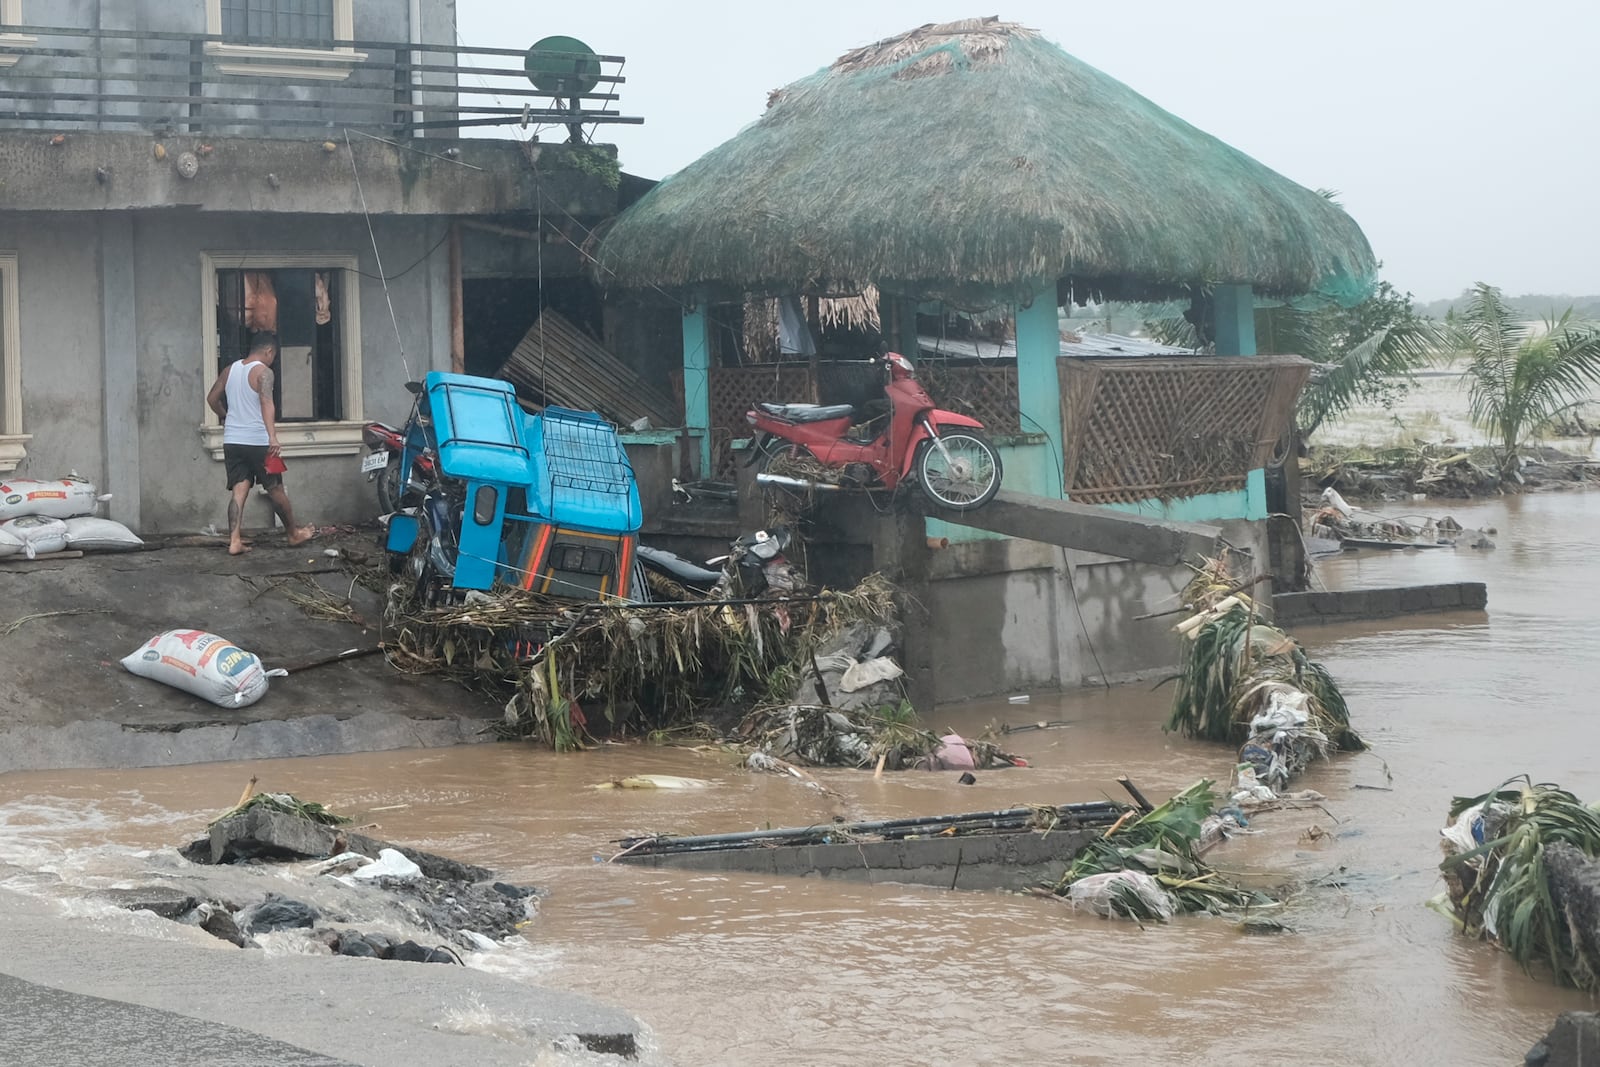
(1246, 682)
(644, 667)
(1149, 869)
(1439, 470)
(1520, 870)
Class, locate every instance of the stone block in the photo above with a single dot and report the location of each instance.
(1574, 1041)
(165, 901)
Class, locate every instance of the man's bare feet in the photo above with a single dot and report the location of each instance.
(238, 550)
(302, 535)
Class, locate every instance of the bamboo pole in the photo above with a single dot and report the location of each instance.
(458, 334)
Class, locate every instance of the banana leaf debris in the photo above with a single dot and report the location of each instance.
(664, 668)
(1247, 683)
(1150, 869)
(1522, 871)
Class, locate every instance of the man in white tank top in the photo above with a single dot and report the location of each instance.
(242, 398)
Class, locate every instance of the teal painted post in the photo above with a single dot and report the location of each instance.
(1039, 381)
(697, 381)
(1255, 494)
(1235, 307)
(1235, 311)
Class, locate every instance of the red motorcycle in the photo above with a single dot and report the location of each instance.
(948, 456)
(382, 465)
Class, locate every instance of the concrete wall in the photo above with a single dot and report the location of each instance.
(1004, 617)
(62, 276)
(1353, 605)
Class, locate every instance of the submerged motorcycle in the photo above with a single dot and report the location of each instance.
(754, 566)
(945, 453)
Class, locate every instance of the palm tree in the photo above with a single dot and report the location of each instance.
(1521, 376)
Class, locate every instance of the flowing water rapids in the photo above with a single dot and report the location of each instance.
(736, 969)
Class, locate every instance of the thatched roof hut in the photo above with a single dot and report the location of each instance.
(965, 160)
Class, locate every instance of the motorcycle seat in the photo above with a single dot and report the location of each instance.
(809, 412)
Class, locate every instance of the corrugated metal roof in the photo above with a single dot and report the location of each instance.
(1083, 346)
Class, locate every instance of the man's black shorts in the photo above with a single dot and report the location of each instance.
(248, 463)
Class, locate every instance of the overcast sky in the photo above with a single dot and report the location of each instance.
(1461, 134)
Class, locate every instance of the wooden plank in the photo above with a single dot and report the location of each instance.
(558, 361)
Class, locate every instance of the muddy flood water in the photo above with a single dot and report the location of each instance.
(732, 969)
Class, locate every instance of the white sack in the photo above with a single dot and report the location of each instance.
(38, 534)
(100, 535)
(60, 499)
(203, 664)
(10, 544)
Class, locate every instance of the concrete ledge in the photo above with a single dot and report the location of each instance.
(97, 743)
(1089, 528)
(1350, 605)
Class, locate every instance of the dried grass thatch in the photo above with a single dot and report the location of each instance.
(958, 160)
(858, 311)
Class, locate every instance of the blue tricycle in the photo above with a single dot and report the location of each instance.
(545, 502)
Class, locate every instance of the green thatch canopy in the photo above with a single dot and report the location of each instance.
(964, 159)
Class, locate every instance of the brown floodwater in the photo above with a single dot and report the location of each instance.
(736, 969)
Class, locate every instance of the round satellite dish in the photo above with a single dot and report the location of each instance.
(562, 66)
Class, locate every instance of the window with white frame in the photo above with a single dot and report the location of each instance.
(309, 305)
(10, 19)
(13, 442)
(311, 28)
(300, 21)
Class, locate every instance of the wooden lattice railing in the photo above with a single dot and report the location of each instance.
(986, 392)
(735, 390)
(1142, 429)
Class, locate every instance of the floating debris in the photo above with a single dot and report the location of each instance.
(1246, 682)
(1149, 869)
(1505, 880)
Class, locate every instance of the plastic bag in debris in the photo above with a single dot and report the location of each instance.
(90, 534)
(1100, 893)
(38, 534)
(390, 863)
(1466, 833)
(1219, 827)
(1286, 709)
(1248, 788)
(203, 664)
(60, 499)
(869, 672)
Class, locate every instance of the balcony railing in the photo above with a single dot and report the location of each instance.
(66, 78)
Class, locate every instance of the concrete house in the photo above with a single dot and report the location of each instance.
(176, 175)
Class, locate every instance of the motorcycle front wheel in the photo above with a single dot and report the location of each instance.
(963, 474)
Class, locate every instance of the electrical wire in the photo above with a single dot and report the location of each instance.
(378, 256)
(401, 274)
(1066, 562)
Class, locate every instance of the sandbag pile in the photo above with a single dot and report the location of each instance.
(40, 517)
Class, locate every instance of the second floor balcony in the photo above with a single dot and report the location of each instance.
(64, 78)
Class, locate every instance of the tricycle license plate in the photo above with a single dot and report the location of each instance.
(374, 461)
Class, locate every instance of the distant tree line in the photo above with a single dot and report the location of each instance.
(1531, 307)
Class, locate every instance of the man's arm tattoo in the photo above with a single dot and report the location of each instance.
(264, 385)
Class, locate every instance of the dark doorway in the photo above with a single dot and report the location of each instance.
(498, 312)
